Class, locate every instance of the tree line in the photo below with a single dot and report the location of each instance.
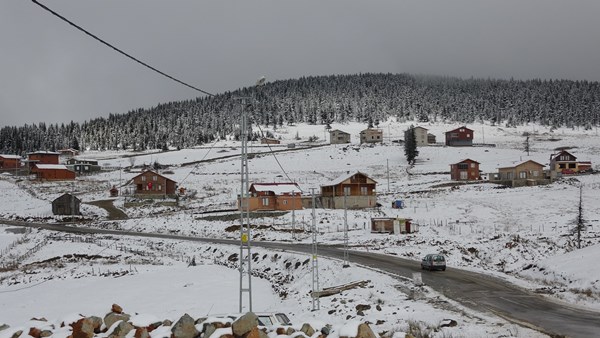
(367, 98)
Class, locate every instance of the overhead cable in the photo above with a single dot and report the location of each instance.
(119, 50)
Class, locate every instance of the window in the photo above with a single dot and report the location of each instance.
(562, 166)
(453, 135)
(86, 168)
(468, 135)
(347, 191)
(461, 130)
(463, 175)
(472, 165)
(265, 201)
(143, 178)
(154, 178)
(510, 175)
(284, 202)
(522, 174)
(536, 173)
(363, 191)
(572, 166)
(463, 166)
(160, 187)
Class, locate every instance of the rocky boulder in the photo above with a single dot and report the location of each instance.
(184, 328)
(84, 328)
(244, 324)
(121, 330)
(113, 317)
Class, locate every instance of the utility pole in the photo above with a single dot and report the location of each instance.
(316, 305)
(388, 174)
(580, 217)
(293, 215)
(245, 239)
(245, 235)
(346, 264)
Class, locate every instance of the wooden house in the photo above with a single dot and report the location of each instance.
(42, 157)
(66, 204)
(273, 196)
(565, 163)
(266, 140)
(68, 153)
(459, 137)
(56, 172)
(465, 170)
(337, 136)
(152, 184)
(563, 160)
(83, 166)
(371, 135)
(431, 139)
(351, 190)
(10, 162)
(522, 174)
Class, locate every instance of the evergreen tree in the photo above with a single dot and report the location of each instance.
(410, 145)
(526, 144)
(75, 144)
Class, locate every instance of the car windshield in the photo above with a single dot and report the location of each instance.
(438, 258)
(265, 320)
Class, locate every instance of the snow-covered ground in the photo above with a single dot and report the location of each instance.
(525, 235)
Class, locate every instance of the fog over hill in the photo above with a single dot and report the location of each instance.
(367, 98)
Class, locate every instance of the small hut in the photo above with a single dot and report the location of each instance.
(114, 192)
(66, 204)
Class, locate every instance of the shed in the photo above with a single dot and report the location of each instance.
(114, 192)
(266, 140)
(66, 204)
(392, 225)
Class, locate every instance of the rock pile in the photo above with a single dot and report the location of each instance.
(117, 324)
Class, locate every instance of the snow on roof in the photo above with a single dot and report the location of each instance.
(51, 166)
(44, 152)
(85, 159)
(16, 157)
(344, 177)
(512, 164)
(277, 188)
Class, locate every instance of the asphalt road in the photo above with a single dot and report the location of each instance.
(474, 290)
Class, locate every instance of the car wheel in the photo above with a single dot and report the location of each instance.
(444, 269)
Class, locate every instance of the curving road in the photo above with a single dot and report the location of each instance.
(474, 290)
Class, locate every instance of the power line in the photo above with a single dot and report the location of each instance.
(118, 50)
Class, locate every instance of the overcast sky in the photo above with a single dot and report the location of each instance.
(51, 72)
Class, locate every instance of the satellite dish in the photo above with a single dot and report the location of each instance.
(261, 81)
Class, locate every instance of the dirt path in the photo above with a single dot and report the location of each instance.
(114, 213)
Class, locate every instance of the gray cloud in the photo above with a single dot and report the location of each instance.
(53, 73)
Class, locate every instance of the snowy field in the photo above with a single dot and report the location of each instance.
(525, 235)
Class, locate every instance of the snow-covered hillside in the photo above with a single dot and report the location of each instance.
(525, 235)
